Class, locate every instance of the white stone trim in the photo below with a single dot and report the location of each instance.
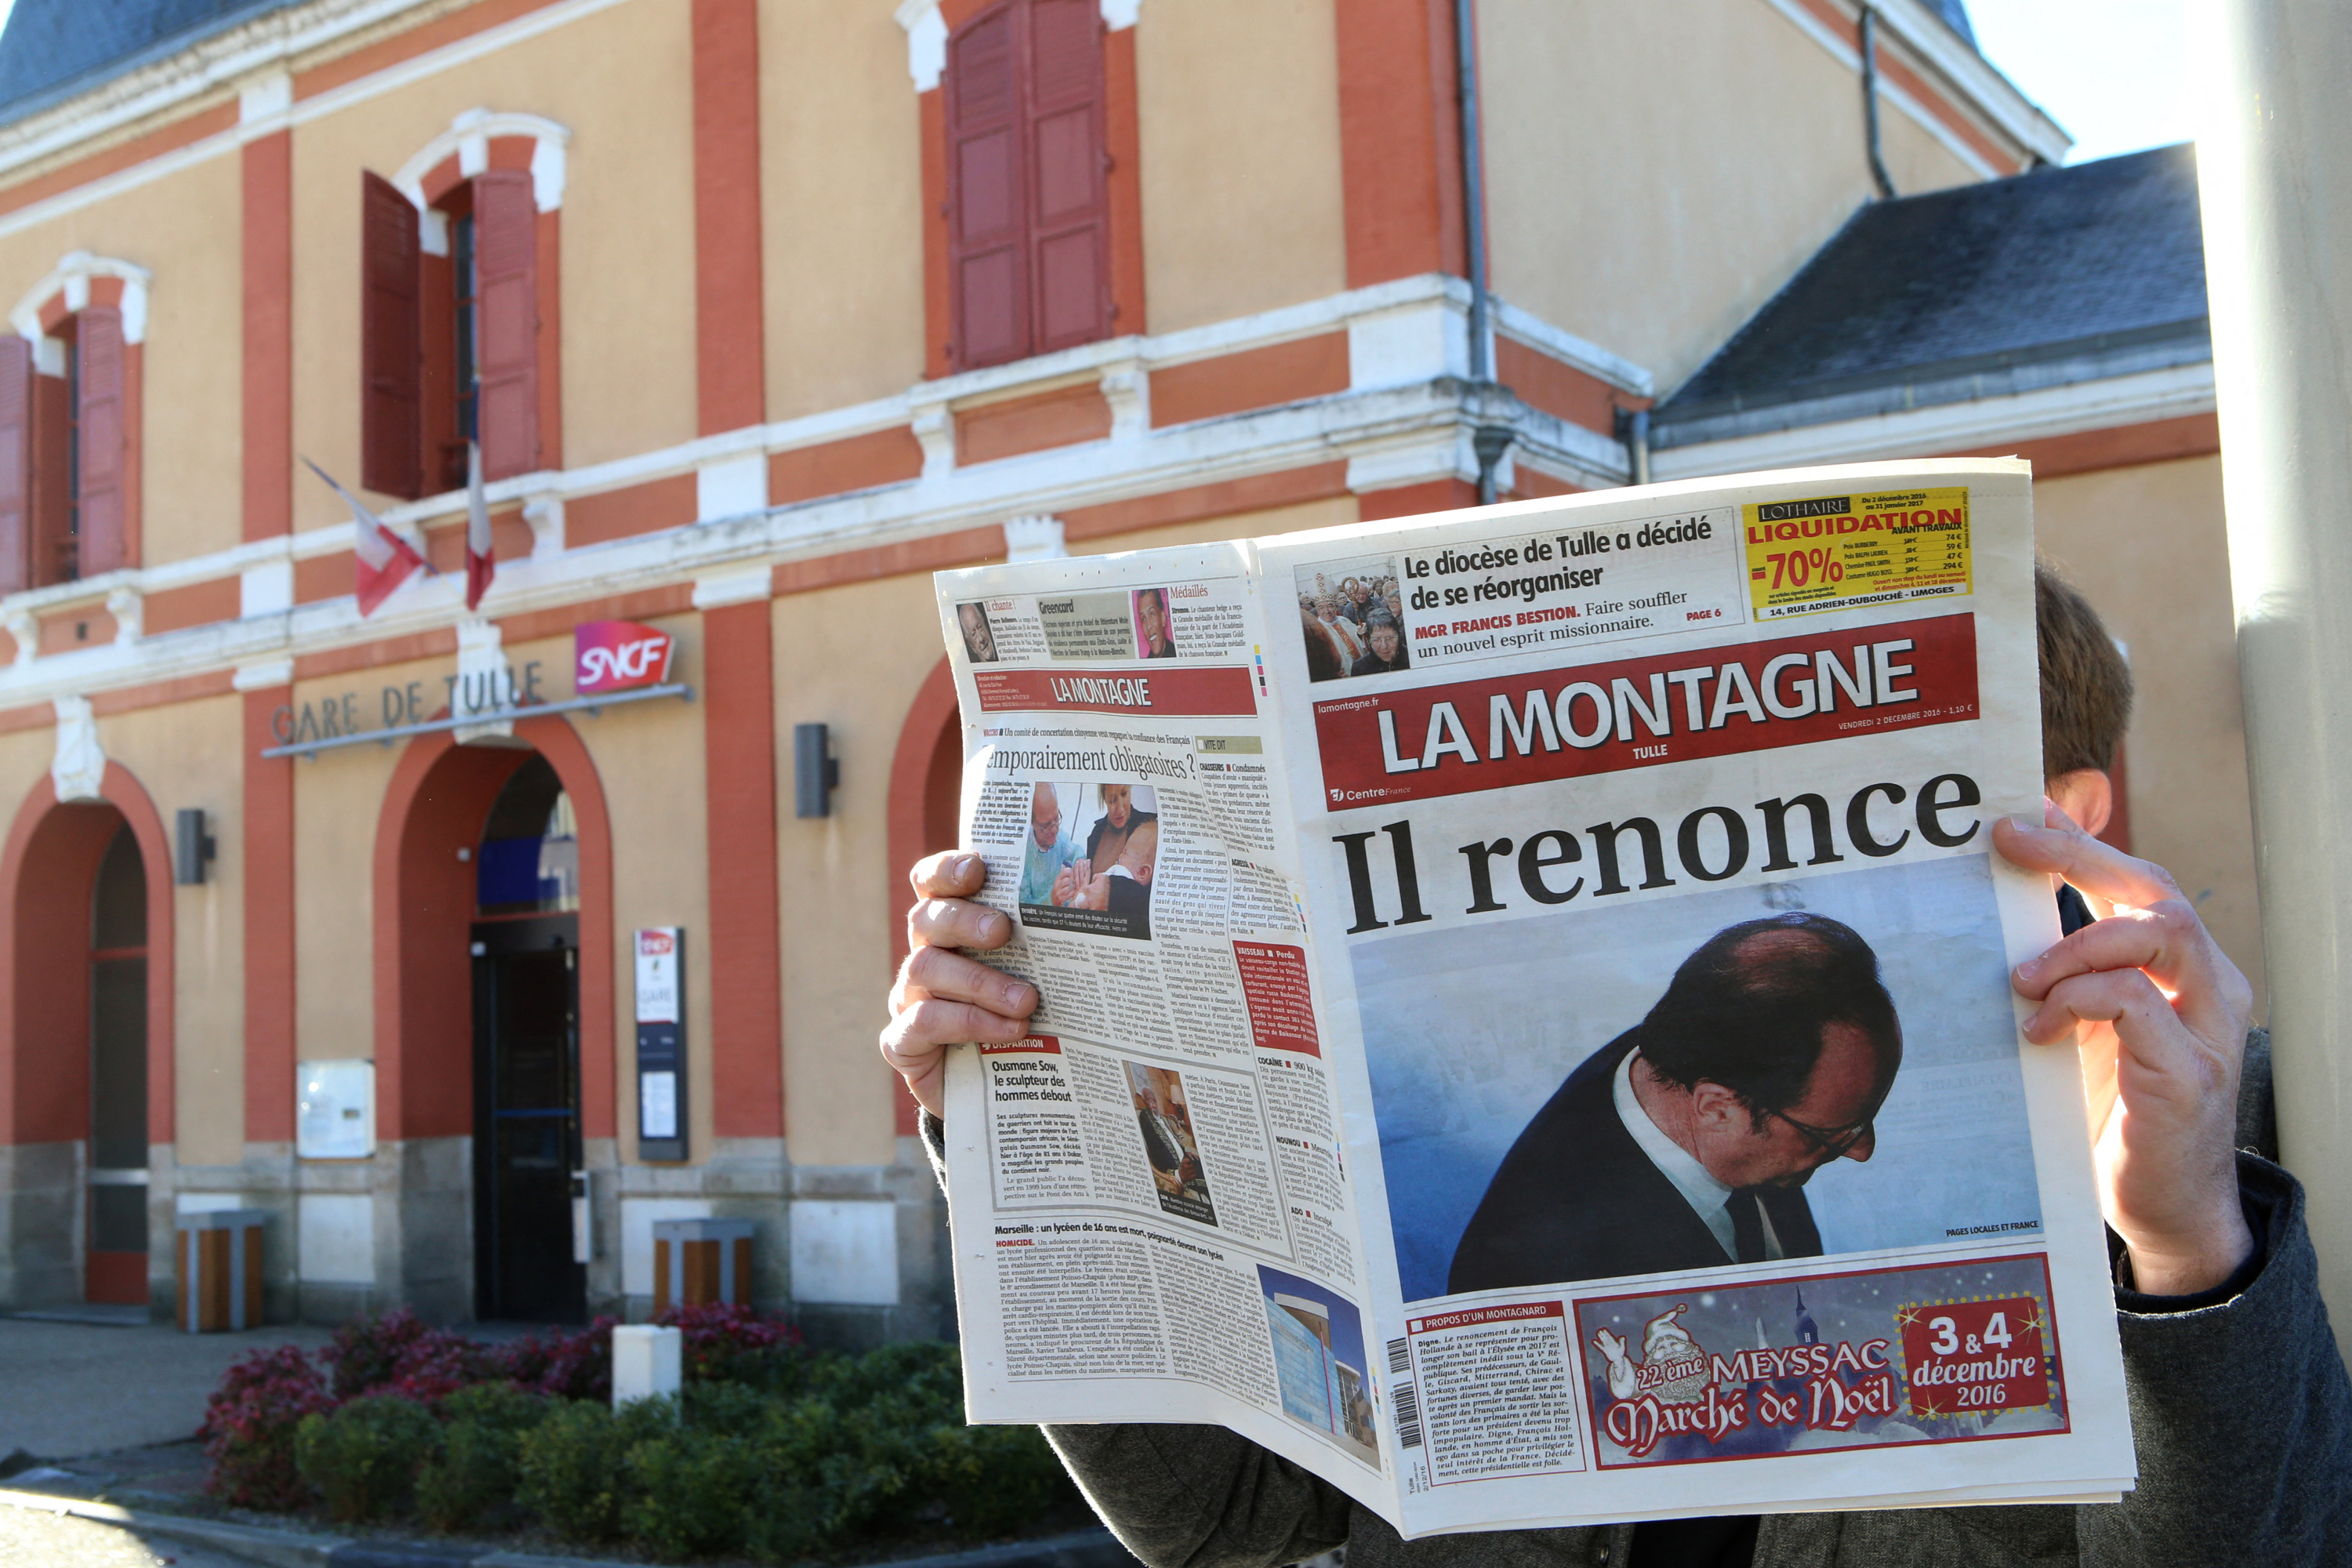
(1036, 538)
(733, 486)
(267, 589)
(926, 41)
(927, 35)
(77, 767)
(71, 278)
(265, 676)
(2104, 405)
(265, 95)
(470, 136)
(741, 585)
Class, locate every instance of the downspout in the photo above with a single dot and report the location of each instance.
(1489, 441)
(1886, 181)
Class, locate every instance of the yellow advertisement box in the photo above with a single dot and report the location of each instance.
(1834, 553)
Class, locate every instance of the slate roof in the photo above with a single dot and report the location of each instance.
(1955, 14)
(2043, 279)
(55, 48)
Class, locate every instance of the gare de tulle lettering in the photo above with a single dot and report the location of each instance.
(487, 692)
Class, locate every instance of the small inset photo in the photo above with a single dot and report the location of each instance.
(1351, 618)
(1319, 1363)
(1089, 861)
(1151, 636)
(979, 637)
(1165, 1119)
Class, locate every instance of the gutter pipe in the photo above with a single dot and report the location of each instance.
(1488, 441)
(1878, 174)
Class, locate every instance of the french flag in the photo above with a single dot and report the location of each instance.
(481, 556)
(383, 558)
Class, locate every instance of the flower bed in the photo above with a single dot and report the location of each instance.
(772, 1451)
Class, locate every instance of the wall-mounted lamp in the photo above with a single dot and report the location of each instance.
(816, 773)
(191, 847)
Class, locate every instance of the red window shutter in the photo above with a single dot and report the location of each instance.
(505, 271)
(16, 464)
(987, 209)
(1070, 213)
(102, 545)
(391, 393)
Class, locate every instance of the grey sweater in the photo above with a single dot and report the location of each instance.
(2240, 1410)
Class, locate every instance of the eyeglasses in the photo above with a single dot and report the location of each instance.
(1833, 1141)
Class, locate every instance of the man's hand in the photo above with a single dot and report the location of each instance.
(2163, 1015)
(941, 997)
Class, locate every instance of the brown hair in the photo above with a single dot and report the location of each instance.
(2087, 687)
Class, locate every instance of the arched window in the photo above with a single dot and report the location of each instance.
(1029, 211)
(68, 425)
(458, 286)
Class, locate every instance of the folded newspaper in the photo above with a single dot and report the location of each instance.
(1526, 1006)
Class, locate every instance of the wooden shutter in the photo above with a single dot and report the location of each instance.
(506, 272)
(103, 544)
(391, 396)
(16, 464)
(1069, 235)
(987, 212)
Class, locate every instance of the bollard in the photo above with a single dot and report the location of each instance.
(647, 1362)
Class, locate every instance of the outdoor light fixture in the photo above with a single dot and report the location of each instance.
(816, 773)
(191, 847)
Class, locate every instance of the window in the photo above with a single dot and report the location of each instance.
(1028, 208)
(64, 451)
(449, 328)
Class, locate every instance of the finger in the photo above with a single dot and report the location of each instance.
(2171, 944)
(950, 874)
(2147, 1035)
(2100, 870)
(921, 1031)
(945, 973)
(956, 923)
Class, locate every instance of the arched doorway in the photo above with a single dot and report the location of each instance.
(526, 986)
(495, 1015)
(84, 1056)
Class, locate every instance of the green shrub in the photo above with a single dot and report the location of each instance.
(477, 1468)
(574, 1465)
(693, 1492)
(994, 1480)
(364, 1457)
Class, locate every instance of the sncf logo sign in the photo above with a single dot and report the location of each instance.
(616, 656)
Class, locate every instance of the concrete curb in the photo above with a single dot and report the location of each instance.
(291, 1548)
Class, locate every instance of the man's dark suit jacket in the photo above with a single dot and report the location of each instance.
(1577, 1199)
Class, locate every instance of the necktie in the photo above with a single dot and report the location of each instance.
(1746, 1206)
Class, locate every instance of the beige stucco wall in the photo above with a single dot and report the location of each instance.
(841, 206)
(183, 229)
(338, 809)
(1656, 169)
(622, 80)
(2146, 546)
(190, 755)
(1239, 110)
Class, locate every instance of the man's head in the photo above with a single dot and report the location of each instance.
(1325, 609)
(978, 640)
(1045, 815)
(2086, 700)
(1783, 1042)
(1151, 609)
(1384, 640)
(1118, 805)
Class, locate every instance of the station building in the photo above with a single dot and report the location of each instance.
(759, 312)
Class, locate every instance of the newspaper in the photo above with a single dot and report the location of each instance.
(1526, 1006)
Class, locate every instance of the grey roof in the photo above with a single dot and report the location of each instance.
(53, 49)
(2043, 279)
(1955, 14)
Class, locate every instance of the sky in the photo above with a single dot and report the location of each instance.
(2113, 73)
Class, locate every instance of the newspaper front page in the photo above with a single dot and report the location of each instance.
(1526, 1027)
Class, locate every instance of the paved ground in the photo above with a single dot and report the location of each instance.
(77, 1388)
(29, 1540)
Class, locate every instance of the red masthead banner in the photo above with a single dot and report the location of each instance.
(1642, 712)
(1222, 691)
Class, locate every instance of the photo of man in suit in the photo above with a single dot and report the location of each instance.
(1686, 1142)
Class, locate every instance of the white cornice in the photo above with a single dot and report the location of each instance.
(2070, 410)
